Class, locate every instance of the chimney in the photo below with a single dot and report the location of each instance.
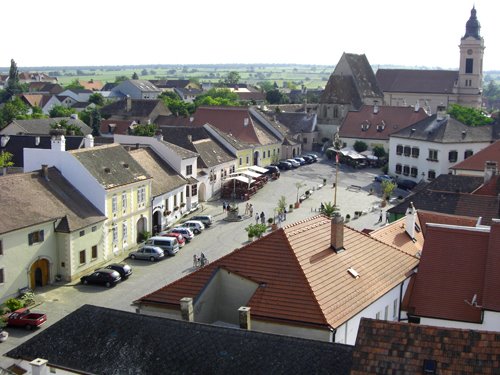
(159, 135)
(128, 104)
(45, 171)
(417, 106)
(88, 141)
(187, 311)
(375, 107)
(337, 233)
(490, 170)
(244, 315)
(58, 143)
(441, 112)
(245, 121)
(411, 220)
(190, 138)
(39, 366)
(191, 119)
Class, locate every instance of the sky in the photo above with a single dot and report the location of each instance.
(111, 32)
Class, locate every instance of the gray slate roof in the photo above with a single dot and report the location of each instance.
(144, 85)
(165, 179)
(446, 130)
(289, 123)
(417, 81)
(363, 75)
(41, 126)
(139, 108)
(106, 341)
(28, 199)
(111, 165)
(341, 90)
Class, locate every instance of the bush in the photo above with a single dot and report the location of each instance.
(270, 220)
(256, 230)
(13, 304)
(143, 236)
(360, 146)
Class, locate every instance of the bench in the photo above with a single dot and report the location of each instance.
(355, 188)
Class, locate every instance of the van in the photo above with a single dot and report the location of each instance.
(168, 244)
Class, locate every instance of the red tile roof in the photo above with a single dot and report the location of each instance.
(476, 162)
(302, 279)
(382, 124)
(395, 235)
(401, 348)
(456, 264)
(491, 188)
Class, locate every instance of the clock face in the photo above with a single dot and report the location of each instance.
(469, 52)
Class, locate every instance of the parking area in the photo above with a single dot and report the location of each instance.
(353, 194)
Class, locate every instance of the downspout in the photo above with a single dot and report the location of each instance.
(400, 300)
(333, 331)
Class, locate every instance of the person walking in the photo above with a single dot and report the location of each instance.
(380, 217)
(251, 210)
(257, 218)
(262, 218)
(223, 206)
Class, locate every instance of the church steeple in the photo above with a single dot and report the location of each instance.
(472, 27)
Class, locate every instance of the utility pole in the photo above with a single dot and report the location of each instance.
(336, 141)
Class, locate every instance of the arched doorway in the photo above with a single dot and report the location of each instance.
(39, 273)
(142, 226)
(256, 158)
(202, 192)
(293, 152)
(157, 222)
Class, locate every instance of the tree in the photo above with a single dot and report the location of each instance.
(266, 85)
(119, 79)
(217, 97)
(176, 105)
(71, 129)
(276, 97)
(144, 72)
(360, 146)
(60, 111)
(379, 151)
(387, 189)
(36, 112)
(146, 130)
(328, 209)
(135, 76)
(469, 116)
(5, 161)
(256, 230)
(75, 85)
(13, 109)
(96, 98)
(13, 85)
(298, 185)
(232, 78)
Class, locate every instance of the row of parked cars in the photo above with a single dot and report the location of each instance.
(401, 183)
(297, 161)
(154, 249)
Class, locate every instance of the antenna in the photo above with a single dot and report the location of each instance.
(473, 302)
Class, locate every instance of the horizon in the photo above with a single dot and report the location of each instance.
(222, 32)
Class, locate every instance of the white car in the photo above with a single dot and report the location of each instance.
(295, 163)
(195, 225)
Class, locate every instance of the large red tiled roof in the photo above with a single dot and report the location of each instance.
(379, 125)
(302, 279)
(456, 264)
(400, 348)
(476, 162)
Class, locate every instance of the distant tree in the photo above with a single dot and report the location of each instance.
(146, 130)
(95, 123)
(71, 129)
(6, 160)
(75, 85)
(176, 105)
(152, 72)
(135, 76)
(232, 78)
(469, 116)
(379, 151)
(80, 72)
(144, 72)
(96, 98)
(119, 79)
(217, 97)
(492, 90)
(360, 146)
(13, 86)
(265, 85)
(60, 111)
(13, 109)
(36, 112)
(276, 97)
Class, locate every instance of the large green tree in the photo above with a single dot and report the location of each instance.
(60, 111)
(276, 97)
(13, 109)
(217, 97)
(96, 98)
(74, 85)
(469, 116)
(71, 129)
(146, 130)
(13, 85)
(176, 105)
(232, 78)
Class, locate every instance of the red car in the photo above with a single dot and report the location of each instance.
(180, 239)
(25, 318)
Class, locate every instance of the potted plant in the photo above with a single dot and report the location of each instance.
(290, 208)
(167, 212)
(3, 334)
(347, 218)
(176, 208)
(183, 205)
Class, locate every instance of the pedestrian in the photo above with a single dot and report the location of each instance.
(251, 210)
(195, 260)
(223, 206)
(246, 208)
(262, 218)
(386, 217)
(284, 215)
(380, 217)
(257, 218)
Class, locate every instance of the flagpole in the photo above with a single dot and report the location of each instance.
(336, 142)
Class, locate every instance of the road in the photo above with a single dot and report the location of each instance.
(60, 299)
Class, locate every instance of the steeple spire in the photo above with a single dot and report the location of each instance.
(472, 27)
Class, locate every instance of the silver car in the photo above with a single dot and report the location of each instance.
(147, 252)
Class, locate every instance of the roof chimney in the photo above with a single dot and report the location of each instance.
(245, 121)
(244, 315)
(88, 141)
(191, 119)
(375, 107)
(417, 106)
(187, 311)
(337, 233)
(58, 143)
(490, 170)
(411, 220)
(45, 171)
(190, 138)
(128, 103)
(39, 366)
(441, 112)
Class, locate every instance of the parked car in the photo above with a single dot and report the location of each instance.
(406, 184)
(314, 156)
(284, 165)
(169, 245)
(383, 177)
(272, 170)
(186, 232)
(122, 268)
(196, 226)
(205, 219)
(25, 318)
(301, 160)
(180, 239)
(309, 159)
(102, 276)
(295, 163)
(152, 253)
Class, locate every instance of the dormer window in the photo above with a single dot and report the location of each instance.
(365, 126)
(381, 126)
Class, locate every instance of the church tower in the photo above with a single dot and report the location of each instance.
(470, 74)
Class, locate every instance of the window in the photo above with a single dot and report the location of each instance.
(2, 278)
(468, 153)
(114, 204)
(399, 150)
(304, 140)
(414, 171)
(452, 156)
(247, 159)
(1, 247)
(35, 237)
(115, 233)
(94, 228)
(82, 257)
(141, 195)
(386, 312)
(469, 65)
(175, 200)
(335, 112)
(274, 152)
(431, 175)
(182, 197)
(82, 233)
(124, 202)
(187, 191)
(124, 231)
(406, 170)
(269, 151)
(433, 155)
(377, 316)
(398, 168)
(241, 161)
(189, 170)
(415, 152)
(395, 309)
(407, 150)
(94, 252)
(194, 190)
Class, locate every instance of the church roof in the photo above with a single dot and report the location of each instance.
(417, 81)
(472, 27)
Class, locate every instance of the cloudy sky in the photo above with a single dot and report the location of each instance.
(112, 32)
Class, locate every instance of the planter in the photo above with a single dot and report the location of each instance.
(4, 335)
(274, 226)
(297, 204)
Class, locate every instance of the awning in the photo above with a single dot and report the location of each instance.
(251, 174)
(246, 180)
(258, 169)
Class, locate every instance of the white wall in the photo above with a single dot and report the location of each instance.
(291, 330)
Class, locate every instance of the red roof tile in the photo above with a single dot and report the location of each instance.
(476, 162)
